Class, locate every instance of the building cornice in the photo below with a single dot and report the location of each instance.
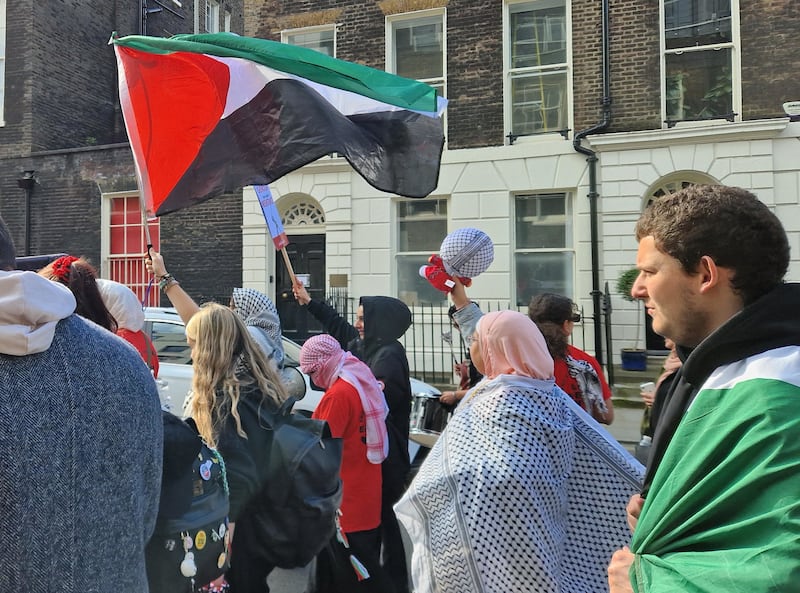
(690, 134)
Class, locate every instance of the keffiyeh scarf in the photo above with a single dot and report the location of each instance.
(323, 358)
(523, 491)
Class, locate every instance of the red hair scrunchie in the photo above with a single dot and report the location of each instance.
(61, 268)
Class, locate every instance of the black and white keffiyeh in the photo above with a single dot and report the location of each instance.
(523, 491)
(467, 252)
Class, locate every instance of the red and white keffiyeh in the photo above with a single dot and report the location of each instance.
(323, 359)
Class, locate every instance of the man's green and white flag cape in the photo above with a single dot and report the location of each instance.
(207, 114)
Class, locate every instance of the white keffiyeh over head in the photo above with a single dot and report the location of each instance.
(523, 491)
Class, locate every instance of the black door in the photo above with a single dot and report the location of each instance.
(307, 256)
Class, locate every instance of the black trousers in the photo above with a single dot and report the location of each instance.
(248, 573)
(393, 555)
(333, 571)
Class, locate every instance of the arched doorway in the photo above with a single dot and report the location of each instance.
(304, 222)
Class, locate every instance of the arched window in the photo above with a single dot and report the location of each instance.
(304, 212)
(673, 182)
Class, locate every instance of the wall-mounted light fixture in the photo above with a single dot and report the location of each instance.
(792, 109)
(28, 180)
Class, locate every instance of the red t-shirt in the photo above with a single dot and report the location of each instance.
(568, 383)
(361, 480)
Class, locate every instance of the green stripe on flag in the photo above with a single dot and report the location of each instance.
(300, 61)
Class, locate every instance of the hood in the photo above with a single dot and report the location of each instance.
(30, 308)
(385, 319)
(122, 303)
(770, 322)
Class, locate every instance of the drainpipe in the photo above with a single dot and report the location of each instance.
(591, 158)
(26, 183)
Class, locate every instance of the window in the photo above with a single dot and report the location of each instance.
(212, 16)
(544, 253)
(321, 39)
(422, 224)
(2, 61)
(699, 59)
(227, 24)
(170, 343)
(536, 66)
(127, 242)
(415, 47)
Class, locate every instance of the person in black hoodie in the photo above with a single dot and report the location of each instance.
(380, 321)
(719, 509)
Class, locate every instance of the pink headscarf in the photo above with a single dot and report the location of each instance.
(323, 359)
(511, 344)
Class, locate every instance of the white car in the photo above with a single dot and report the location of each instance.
(165, 328)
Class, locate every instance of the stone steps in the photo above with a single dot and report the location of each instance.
(626, 383)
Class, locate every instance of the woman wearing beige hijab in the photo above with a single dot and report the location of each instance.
(523, 491)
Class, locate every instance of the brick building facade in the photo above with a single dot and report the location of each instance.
(62, 124)
(694, 94)
(528, 82)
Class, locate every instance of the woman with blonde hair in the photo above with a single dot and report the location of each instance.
(232, 381)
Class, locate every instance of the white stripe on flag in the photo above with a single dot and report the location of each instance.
(249, 78)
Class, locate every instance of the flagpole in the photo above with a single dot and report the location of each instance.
(145, 225)
(149, 244)
(288, 265)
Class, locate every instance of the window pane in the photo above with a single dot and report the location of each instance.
(413, 288)
(692, 23)
(422, 225)
(169, 340)
(418, 47)
(543, 272)
(321, 41)
(699, 84)
(542, 222)
(538, 34)
(212, 16)
(539, 102)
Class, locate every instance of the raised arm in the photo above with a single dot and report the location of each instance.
(183, 303)
(333, 323)
(467, 313)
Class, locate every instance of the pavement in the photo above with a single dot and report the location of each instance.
(626, 425)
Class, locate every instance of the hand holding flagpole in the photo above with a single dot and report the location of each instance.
(149, 243)
(288, 265)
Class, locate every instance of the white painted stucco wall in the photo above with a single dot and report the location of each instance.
(480, 183)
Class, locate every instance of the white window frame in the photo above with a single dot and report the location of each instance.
(212, 16)
(391, 23)
(570, 219)
(509, 73)
(423, 254)
(286, 34)
(106, 200)
(227, 21)
(3, 23)
(734, 45)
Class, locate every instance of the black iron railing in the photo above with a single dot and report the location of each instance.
(433, 346)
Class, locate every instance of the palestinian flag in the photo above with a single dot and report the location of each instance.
(208, 114)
